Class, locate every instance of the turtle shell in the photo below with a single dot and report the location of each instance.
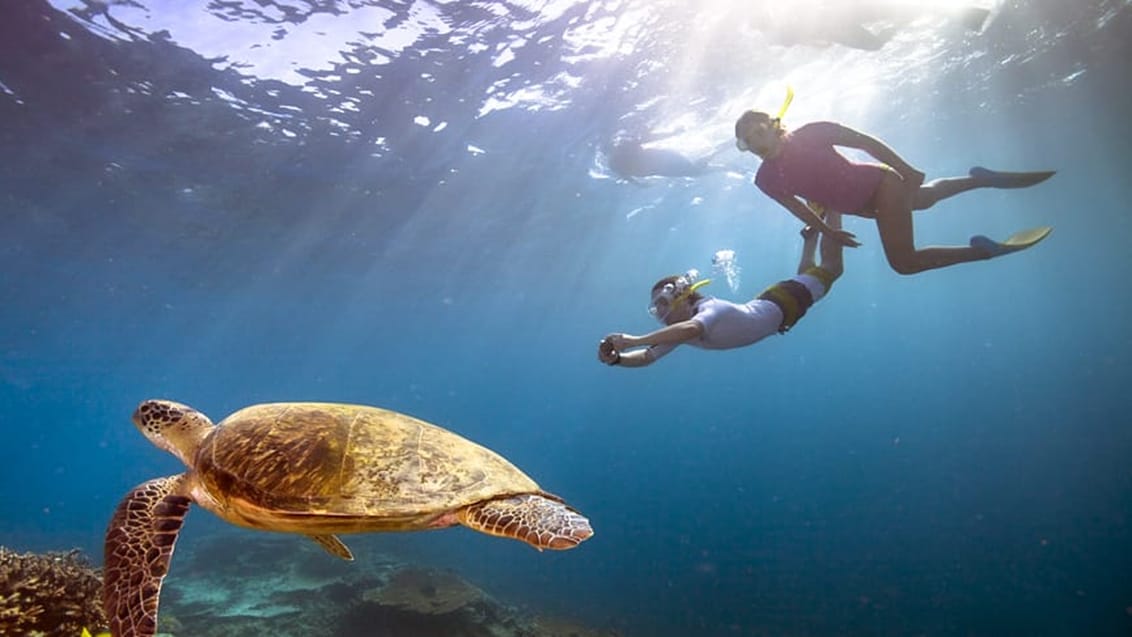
(352, 461)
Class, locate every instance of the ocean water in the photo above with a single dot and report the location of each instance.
(409, 204)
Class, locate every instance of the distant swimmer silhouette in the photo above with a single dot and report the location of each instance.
(860, 24)
(630, 158)
(804, 165)
(691, 318)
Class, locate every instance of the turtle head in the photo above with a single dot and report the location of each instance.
(176, 428)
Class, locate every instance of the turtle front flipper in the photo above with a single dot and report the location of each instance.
(139, 544)
(538, 520)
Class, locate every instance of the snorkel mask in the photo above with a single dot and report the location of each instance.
(741, 143)
(667, 297)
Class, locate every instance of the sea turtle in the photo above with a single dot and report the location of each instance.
(316, 469)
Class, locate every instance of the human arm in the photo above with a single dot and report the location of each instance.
(612, 349)
(845, 136)
(807, 216)
(636, 358)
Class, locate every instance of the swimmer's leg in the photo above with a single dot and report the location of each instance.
(894, 221)
(937, 190)
(1002, 179)
(810, 237)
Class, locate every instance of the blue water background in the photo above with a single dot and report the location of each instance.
(943, 454)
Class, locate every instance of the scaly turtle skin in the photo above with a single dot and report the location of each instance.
(316, 469)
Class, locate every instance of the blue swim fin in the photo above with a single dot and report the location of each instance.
(1017, 241)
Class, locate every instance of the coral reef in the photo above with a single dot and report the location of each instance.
(425, 591)
(230, 587)
(427, 602)
(49, 594)
(246, 585)
(549, 626)
(246, 577)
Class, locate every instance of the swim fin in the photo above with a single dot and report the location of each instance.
(1017, 241)
(1000, 179)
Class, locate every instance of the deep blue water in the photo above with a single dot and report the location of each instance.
(222, 217)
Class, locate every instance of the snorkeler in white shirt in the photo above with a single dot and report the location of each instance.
(707, 322)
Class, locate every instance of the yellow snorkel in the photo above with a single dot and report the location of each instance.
(818, 209)
(786, 102)
(689, 290)
(757, 116)
(667, 298)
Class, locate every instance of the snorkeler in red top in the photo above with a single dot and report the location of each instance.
(804, 164)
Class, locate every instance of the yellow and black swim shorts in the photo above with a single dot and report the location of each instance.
(794, 298)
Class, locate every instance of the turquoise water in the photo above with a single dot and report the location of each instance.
(242, 204)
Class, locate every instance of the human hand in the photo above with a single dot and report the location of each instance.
(607, 352)
(621, 341)
(810, 232)
(844, 238)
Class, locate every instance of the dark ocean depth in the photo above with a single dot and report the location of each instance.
(410, 204)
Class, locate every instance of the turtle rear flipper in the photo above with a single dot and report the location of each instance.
(331, 544)
(538, 520)
(139, 544)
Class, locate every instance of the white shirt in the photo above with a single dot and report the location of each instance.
(727, 325)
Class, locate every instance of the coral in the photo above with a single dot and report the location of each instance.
(291, 588)
(49, 594)
(430, 603)
(425, 591)
(551, 626)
